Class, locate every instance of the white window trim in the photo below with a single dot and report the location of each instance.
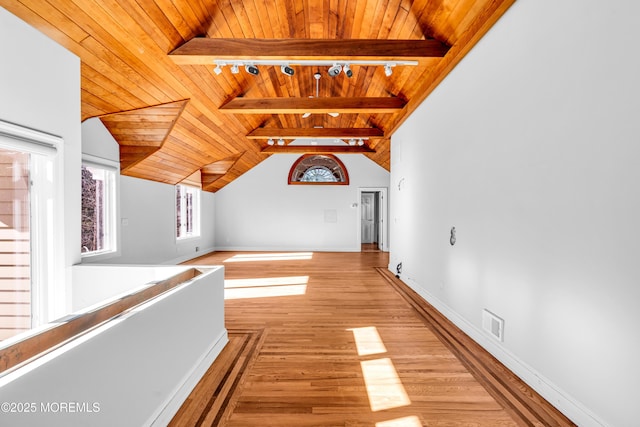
(48, 280)
(114, 211)
(196, 215)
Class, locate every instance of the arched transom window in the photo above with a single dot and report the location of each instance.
(318, 169)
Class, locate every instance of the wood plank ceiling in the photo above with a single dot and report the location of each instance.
(133, 79)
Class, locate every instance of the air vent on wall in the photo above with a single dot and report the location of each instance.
(493, 324)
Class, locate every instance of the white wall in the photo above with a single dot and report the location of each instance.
(135, 370)
(260, 211)
(148, 237)
(40, 89)
(147, 212)
(530, 149)
(95, 284)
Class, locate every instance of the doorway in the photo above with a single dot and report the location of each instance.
(373, 222)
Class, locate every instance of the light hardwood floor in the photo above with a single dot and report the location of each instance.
(333, 339)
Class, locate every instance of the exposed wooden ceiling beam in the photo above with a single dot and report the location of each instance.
(313, 105)
(317, 133)
(204, 50)
(318, 149)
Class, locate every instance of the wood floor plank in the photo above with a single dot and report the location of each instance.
(341, 345)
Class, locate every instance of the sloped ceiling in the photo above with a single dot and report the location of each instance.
(147, 72)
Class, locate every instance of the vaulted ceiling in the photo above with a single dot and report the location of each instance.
(148, 72)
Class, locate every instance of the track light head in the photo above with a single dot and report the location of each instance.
(270, 141)
(287, 70)
(234, 69)
(217, 70)
(280, 141)
(352, 141)
(251, 69)
(347, 71)
(387, 70)
(360, 142)
(335, 70)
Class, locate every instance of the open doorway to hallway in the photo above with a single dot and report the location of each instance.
(373, 221)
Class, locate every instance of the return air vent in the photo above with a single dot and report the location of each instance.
(493, 324)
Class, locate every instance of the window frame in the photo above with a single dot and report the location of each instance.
(48, 289)
(195, 212)
(112, 210)
(292, 172)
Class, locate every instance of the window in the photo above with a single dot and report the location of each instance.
(30, 231)
(318, 169)
(187, 211)
(98, 208)
(318, 174)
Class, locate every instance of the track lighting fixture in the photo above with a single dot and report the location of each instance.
(335, 70)
(287, 70)
(280, 141)
(352, 141)
(360, 142)
(251, 69)
(270, 141)
(335, 66)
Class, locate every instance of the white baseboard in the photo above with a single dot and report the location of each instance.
(189, 257)
(283, 249)
(165, 414)
(570, 407)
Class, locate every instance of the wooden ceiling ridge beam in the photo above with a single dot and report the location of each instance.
(204, 50)
(313, 105)
(319, 133)
(317, 149)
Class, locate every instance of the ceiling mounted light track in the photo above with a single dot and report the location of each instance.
(286, 67)
(314, 141)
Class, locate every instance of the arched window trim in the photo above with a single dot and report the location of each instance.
(306, 156)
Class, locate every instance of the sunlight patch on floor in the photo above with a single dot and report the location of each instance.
(412, 421)
(368, 341)
(384, 387)
(287, 256)
(265, 287)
